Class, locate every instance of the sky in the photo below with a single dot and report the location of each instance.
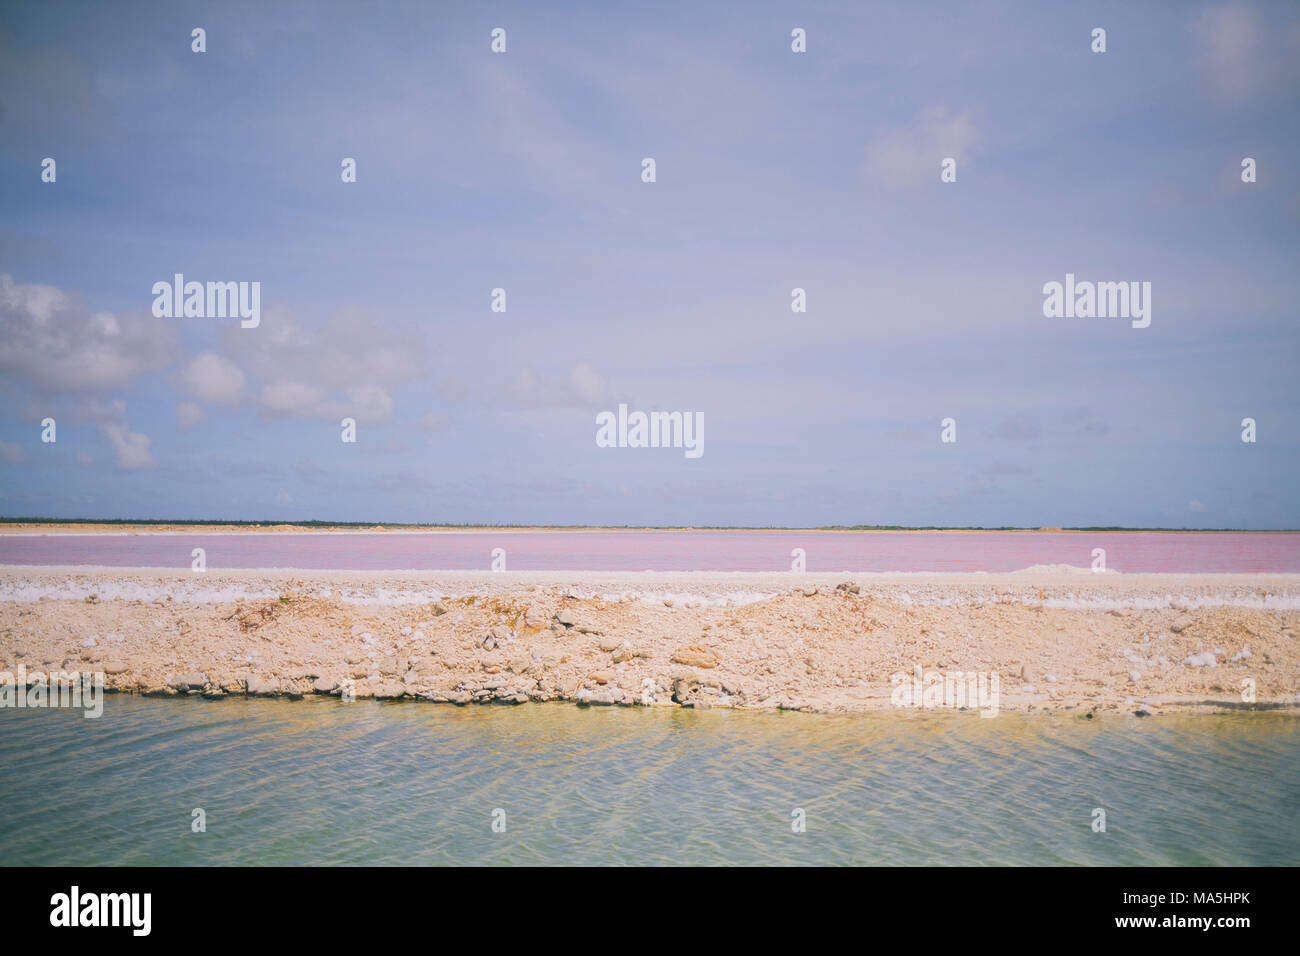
(775, 170)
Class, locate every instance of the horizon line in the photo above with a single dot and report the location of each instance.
(317, 523)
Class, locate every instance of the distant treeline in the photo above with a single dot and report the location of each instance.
(315, 523)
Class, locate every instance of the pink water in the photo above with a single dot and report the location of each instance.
(669, 550)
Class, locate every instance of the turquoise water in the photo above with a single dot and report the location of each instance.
(321, 781)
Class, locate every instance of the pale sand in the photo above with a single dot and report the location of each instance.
(1059, 639)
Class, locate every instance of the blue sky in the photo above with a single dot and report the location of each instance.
(775, 170)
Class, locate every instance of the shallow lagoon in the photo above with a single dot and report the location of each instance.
(325, 782)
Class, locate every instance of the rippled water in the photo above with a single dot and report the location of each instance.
(316, 781)
(668, 550)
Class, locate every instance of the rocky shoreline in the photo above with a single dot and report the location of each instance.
(1056, 639)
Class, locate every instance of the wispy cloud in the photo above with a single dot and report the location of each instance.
(912, 154)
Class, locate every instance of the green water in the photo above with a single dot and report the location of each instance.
(321, 781)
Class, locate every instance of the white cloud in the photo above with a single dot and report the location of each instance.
(454, 390)
(214, 380)
(368, 404)
(588, 384)
(585, 387)
(913, 153)
(344, 368)
(432, 421)
(189, 415)
(52, 343)
(519, 120)
(96, 411)
(132, 448)
(527, 388)
(1195, 505)
(348, 350)
(284, 499)
(290, 399)
(1242, 56)
(84, 459)
(11, 453)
